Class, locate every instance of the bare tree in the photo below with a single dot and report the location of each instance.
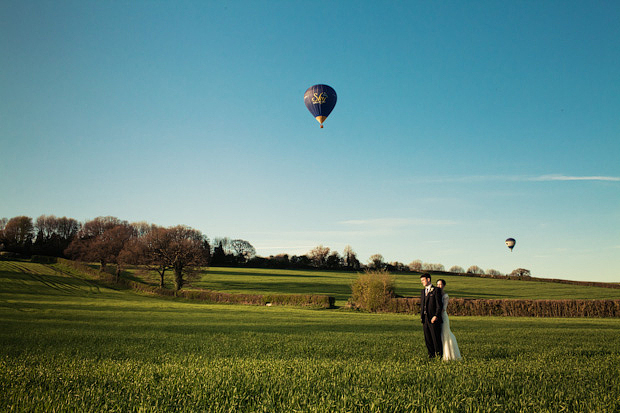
(318, 255)
(350, 258)
(150, 250)
(474, 269)
(17, 234)
(457, 269)
(185, 252)
(46, 227)
(521, 273)
(54, 234)
(415, 265)
(142, 228)
(98, 226)
(101, 240)
(225, 243)
(492, 271)
(243, 249)
(181, 249)
(427, 266)
(376, 262)
(67, 228)
(109, 245)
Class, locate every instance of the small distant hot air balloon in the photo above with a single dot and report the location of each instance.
(320, 101)
(510, 243)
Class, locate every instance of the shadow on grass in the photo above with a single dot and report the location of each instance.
(32, 283)
(316, 288)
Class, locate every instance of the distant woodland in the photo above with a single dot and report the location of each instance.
(182, 250)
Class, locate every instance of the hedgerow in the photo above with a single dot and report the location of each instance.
(514, 308)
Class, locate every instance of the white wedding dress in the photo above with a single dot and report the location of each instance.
(450, 346)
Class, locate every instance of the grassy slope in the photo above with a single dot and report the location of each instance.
(337, 284)
(333, 283)
(68, 345)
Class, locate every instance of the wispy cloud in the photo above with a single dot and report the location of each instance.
(396, 222)
(466, 179)
(341, 233)
(266, 250)
(574, 178)
(516, 178)
(284, 246)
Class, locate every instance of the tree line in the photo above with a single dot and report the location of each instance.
(180, 250)
(110, 240)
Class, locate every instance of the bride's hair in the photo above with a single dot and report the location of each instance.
(443, 282)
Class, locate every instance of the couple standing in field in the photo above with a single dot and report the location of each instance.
(433, 305)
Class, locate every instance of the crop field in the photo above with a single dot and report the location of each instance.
(70, 344)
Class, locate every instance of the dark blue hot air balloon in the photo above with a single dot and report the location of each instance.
(320, 101)
(510, 243)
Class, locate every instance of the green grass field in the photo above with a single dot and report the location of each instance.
(69, 344)
(338, 285)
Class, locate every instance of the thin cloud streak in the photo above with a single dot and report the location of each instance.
(283, 246)
(517, 178)
(575, 178)
(396, 222)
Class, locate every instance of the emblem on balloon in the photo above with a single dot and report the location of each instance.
(320, 101)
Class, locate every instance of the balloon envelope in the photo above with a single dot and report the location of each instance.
(510, 243)
(320, 101)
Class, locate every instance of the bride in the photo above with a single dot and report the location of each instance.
(450, 346)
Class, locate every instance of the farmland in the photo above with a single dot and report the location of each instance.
(68, 343)
(338, 285)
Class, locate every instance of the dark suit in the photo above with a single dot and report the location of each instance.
(431, 305)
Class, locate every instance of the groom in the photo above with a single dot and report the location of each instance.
(431, 306)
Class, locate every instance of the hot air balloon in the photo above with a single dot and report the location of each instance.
(320, 101)
(510, 243)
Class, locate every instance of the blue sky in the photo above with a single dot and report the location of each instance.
(458, 124)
